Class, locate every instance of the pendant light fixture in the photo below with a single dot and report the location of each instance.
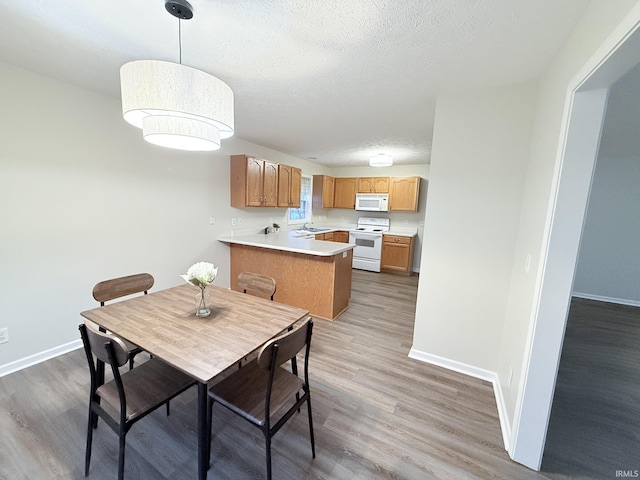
(380, 160)
(176, 106)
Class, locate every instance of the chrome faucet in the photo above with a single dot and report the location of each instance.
(306, 226)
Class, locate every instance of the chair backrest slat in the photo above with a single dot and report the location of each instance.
(255, 282)
(97, 341)
(289, 344)
(120, 287)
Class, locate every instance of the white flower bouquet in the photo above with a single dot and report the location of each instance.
(201, 274)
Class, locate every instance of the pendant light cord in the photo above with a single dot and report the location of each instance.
(180, 38)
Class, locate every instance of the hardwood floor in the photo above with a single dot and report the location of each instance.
(377, 414)
(594, 429)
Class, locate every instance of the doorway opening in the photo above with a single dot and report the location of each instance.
(581, 144)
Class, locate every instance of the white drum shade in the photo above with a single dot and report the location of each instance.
(181, 133)
(175, 105)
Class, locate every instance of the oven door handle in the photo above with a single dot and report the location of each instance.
(366, 235)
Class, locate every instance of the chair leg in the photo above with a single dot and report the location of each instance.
(313, 444)
(87, 457)
(121, 456)
(168, 407)
(267, 437)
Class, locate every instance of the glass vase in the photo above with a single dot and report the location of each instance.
(202, 303)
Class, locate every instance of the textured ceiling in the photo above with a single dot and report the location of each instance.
(332, 80)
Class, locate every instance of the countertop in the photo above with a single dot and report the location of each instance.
(399, 231)
(288, 242)
(402, 232)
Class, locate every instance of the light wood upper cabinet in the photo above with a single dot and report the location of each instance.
(254, 182)
(397, 254)
(330, 192)
(323, 189)
(289, 180)
(345, 193)
(296, 186)
(373, 185)
(403, 194)
(270, 185)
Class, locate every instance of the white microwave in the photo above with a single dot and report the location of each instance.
(372, 202)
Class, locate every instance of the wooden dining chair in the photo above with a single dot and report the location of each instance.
(255, 283)
(261, 390)
(130, 396)
(108, 290)
(263, 286)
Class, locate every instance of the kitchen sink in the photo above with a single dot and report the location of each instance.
(309, 231)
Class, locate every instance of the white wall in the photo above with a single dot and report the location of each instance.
(84, 198)
(609, 265)
(494, 319)
(536, 311)
(478, 168)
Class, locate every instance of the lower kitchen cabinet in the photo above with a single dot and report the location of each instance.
(341, 236)
(325, 236)
(335, 236)
(397, 254)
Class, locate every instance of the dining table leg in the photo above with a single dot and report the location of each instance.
(203, 448)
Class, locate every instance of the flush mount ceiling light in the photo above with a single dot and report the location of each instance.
(176, 106)
(380, 160)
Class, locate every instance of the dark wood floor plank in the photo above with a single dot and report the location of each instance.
(595, 420)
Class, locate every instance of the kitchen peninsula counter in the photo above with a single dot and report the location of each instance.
(310, 274)
(288, 242)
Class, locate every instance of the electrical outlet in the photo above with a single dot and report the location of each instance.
(4, 335)
(212, 220)
(233, 222)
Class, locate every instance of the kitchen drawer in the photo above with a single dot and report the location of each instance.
(397, 239)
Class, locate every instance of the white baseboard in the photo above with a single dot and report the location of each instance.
(505, 424)
(475, 372)
(601, 298)
(39, 357)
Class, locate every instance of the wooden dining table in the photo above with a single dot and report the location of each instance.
(164, 324)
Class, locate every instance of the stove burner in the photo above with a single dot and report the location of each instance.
(372, 226)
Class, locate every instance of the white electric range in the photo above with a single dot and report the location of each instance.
(368, 239)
